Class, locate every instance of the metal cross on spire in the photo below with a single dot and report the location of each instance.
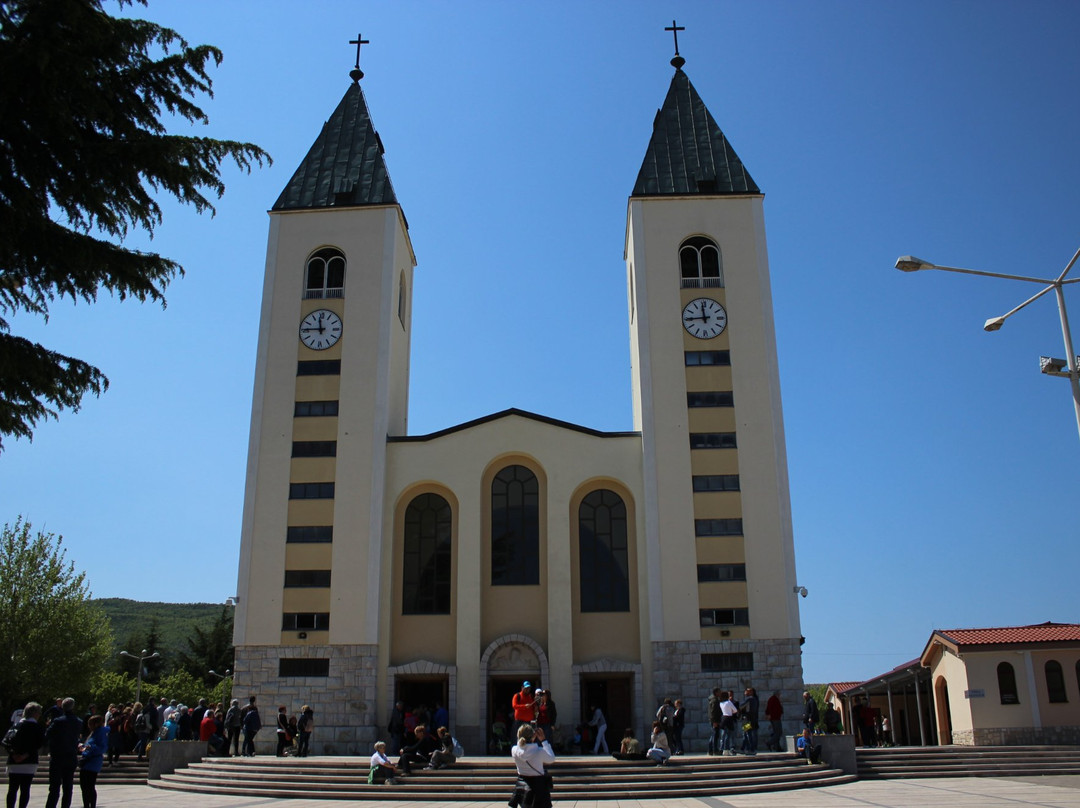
(356, 73)
(677, 61)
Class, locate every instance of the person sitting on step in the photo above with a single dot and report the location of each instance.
(417, 752)
(382, 770)
(630, 748)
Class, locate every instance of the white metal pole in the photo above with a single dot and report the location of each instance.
(1070, 355)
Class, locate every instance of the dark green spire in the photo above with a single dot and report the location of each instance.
(688, 154)
(344, 166)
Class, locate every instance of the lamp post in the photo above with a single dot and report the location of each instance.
(1048, 365)
(138, 674)
(222, 677)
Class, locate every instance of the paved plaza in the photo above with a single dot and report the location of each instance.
(958, 792)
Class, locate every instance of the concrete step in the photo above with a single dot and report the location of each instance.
(128, 772)
(967, 761)
(480, 778)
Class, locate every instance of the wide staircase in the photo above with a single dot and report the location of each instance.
(491, 778)
(967, 761)
(129, 772)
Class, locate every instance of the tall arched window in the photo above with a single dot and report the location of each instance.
(426, 564)
(1007, 684)
(603, 553)
(325, 274)
(515, 528)
(401, 299)
(700, 264)
(1055, 682)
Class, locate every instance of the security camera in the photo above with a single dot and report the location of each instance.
(800, 590)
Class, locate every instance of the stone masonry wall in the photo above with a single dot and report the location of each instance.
(344, 702)
(677, 673)
(1018, 736)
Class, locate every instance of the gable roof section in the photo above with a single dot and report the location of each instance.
(976, 639)
(344, 166)
(688, 154)
(506, 414)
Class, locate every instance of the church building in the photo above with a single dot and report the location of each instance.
(378, 565)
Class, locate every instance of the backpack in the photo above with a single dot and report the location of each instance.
(140, 723)
(8, 741)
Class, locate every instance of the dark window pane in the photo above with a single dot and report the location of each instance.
(719, 398)
(314, 448)
(718, 527)
(725, 617)
(1055, 682)
(318, 367)
(307, 578)
(710, 262)
(722, 663)
(694, 358)
(712, 440)
(716, 482)
(1007, 684)
(312, 409)
(335, 272)
(603, 553)
(309, 534)
(311, 490)
(305, 621)
(316, 275)
(304, 667)
(515, 528)
(426, 565)
(688, 262)
(325, 271)
(712, 573)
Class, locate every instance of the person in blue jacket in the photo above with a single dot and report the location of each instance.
(93, 755)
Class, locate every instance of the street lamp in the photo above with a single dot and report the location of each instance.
(138, 674)
(1048, 365)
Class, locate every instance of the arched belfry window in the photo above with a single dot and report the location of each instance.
(700, 264)
(1007, 684)
(515, 528)
(426, 561)
(325, 275)
(603, 553)
(401, 299)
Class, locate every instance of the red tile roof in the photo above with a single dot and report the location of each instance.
(843, 687)
(1043, 632)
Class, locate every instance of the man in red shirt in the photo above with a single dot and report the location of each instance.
(524, 708)
(774, 711)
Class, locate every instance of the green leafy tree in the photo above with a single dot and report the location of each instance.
(181, 685)
(52, 639)
(210, 649)
(84, 151)
(111, 688)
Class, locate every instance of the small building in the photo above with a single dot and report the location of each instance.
(999, 686)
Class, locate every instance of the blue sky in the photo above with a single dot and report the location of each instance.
(933, 469)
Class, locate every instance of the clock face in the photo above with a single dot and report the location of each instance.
(320, 330)
(704, 318)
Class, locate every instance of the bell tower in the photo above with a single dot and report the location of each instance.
(331, 383)
(706, 391)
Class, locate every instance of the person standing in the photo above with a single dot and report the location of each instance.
(22, 762)
(678, 722)
(600, 723)
(546, 713)
(524, 704)
(749, 711)
(774, 711)
(304, 727)
(251, 726)
(62, 738)
(728, 711)
(93, 756)
(283, 737)
(232, 728)
(396, 728)
(716, 716)
(810, 711)
(532, 754)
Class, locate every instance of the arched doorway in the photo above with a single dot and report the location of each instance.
(504, 665)
(944, 715)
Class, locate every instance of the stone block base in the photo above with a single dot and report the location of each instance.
(1018, 736)
(344, 702)
(677, 673)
